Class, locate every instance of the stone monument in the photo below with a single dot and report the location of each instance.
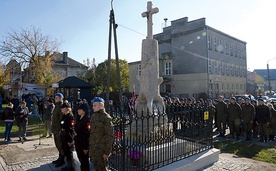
(149, 101)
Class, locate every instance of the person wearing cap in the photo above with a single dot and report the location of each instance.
(262, 119)
(248, 115)
(56, 119)
(82, 129)
(101, 135)
(67, 133)
(235, 115)
(49, 109)
(221, 115)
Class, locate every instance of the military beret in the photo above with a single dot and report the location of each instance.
(98, 99)
(209, 100)
(226, 100)
(247, 98)
(260, 99)
(59, 95)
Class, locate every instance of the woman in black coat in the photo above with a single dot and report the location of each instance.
(9, 118)
(82, 128)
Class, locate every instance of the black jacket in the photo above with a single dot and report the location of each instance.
(67, 128)
(82, 128)
(9, 114)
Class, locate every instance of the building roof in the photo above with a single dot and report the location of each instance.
(59, 60)
(74, 82)
(263, 73)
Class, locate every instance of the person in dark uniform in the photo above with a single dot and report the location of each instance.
(82, 128)
(67, 133)
(101, 135)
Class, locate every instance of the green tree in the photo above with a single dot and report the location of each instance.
(32, 50)
(101, 76)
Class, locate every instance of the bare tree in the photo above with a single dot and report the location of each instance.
(32, 50)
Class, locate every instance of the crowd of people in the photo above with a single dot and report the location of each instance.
(245, 118)
(71, 125)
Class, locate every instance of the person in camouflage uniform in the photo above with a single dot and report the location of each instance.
(235, 115)
(221, 113)
(56, 119)
(101, 135)
(248, 115)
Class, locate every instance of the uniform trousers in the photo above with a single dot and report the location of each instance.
(99, 163)
(58, 144)
(83, 158)
(67, 151)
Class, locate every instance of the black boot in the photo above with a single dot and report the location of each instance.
(68, 167)
(60, 162)
(57, 160)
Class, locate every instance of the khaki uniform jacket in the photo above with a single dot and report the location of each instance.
(235, 111)
(248, 112)
(56, 118)
(101, 134)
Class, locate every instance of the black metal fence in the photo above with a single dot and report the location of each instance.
(151, 141)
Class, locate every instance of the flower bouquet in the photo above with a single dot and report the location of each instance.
(134, 156)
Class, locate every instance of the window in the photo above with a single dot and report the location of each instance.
(216, 68)
(139, 69)
(210, 42)
(226, 69)
(167, 68)
(231, 49)
(209, 66)
(225, 47)
(221, 68)
(215, 44)
(227, 87)
(235, 50)
(221, 46)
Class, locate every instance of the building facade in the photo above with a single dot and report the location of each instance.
(271, 79)
(196, 59)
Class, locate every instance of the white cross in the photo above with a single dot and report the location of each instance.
(149, 14)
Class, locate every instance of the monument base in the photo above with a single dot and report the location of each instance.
(195, 162)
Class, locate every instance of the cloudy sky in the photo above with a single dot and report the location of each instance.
(82, 25)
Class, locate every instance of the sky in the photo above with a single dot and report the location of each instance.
(82, 26)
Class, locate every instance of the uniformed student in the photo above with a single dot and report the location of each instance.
(82, 128)
(67, 133)
(101, 135)
(56, 118)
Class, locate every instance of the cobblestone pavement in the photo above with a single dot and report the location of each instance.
(227, 162)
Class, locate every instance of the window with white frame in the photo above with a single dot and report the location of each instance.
(209, 42)
(215, 44)
(209, 66)
(139, 69)
(168, 68)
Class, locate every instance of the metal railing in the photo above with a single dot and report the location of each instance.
(151, 141)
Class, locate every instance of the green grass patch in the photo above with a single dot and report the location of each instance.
(248, 150)
(34, 127)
